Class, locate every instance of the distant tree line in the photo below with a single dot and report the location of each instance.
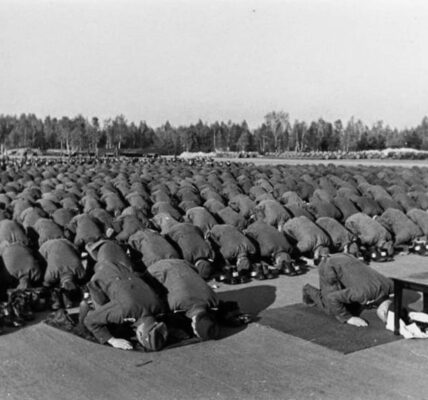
(277, 134)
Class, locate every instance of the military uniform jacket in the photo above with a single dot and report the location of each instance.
(345, 280)
(86, 229)
(191, 242)
(63, 261)
(272, 212)
(152, 246)
(109, 250)
(339, 235)
(186, 290)
(11, 232)
(270, 241)
(21, 264)
(231, 242)
(47, 229)
(122, 296)
(306, 233)
(403, 228)
(201, 218)
(369, 231)
(420, 218)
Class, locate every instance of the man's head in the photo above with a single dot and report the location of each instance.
(152, 335)
(320, 253)
(204, 326)
(204, 268)
(353, 249)
(164, 222)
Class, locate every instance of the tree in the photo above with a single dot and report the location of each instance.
(245, 141)
(64, 129)
(299, 132)
(279, 124)
(413, 140)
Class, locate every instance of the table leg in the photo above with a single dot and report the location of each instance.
(398, 295)
(425, 302)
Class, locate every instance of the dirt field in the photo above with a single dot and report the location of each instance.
(40, 362)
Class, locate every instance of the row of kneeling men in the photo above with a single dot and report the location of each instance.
(232, 221)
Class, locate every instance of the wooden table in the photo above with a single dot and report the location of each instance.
(399, 286)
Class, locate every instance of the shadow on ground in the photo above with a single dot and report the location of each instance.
(251, 299)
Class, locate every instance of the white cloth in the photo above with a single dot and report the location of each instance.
(411, 331)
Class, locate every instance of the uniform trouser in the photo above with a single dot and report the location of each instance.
(96, 320)
(316, 297)
(319, 300)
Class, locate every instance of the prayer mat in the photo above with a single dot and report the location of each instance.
(311, 324)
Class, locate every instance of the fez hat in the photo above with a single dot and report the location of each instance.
(152, 335)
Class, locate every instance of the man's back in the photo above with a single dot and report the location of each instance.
(345, 280)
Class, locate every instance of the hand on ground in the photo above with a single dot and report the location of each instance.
(357, 321)
(120, 343)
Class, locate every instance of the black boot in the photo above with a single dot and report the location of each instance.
(258, 272)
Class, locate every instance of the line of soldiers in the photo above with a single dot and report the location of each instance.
(154, 232)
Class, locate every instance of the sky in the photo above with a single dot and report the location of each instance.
(212, 60)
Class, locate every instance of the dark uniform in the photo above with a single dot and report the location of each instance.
(167, 208)
(120, 296)
(63, 262)
(21, 266)
(152, 246)
(231, 217)
(370, 232)
(403, 228)
(201, 218)
(113, 203)
(232, 244)
(190, 240)
(243, 205)
(109, 250)
(129, 225)
(321, 208)
(186, 290)
(420, 218)
(63, 216)
(12, 232)
(272, 212)
(346, 286)
(340, 237)
(46, 230)
(86, 230)
(271, 242)
(308, 236)
(345, 206)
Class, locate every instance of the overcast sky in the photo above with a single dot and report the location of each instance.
(215, 60)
